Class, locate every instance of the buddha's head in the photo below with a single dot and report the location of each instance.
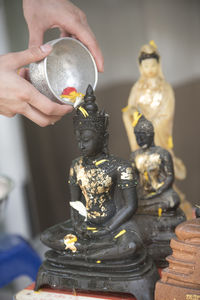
(91, 127)
(144, 132)
(197, 211)
(149, 61)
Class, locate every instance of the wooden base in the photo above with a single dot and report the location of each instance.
(168, 291)
(51, 294)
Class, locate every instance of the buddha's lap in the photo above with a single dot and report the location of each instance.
(124, 240)
(168, 200)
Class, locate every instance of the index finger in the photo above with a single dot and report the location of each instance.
(85, 35)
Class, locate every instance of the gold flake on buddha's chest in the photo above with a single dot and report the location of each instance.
(148, 162)
(94, 182)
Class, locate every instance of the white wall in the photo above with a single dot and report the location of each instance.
(13, 158)
(175, 26)
(123, 26)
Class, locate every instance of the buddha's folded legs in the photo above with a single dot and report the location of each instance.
(125, 246)
(167, 201)
(53, 237)
(110, 246)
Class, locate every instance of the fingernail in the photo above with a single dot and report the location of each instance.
(46, 48)
(101, 68)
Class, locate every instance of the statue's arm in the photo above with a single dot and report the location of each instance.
(75, 195)
(129, 208)
(78, 220)
(123, 215)
(163, 120)
(127, 184)
(168, 171)
(128, 118)
(132, 96)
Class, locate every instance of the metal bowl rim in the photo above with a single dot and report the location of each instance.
(45, 66)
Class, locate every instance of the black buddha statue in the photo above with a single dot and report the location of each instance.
(100, 247)
(158, 208)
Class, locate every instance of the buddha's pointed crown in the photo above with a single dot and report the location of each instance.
(88, 115)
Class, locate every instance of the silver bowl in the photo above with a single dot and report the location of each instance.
(70, 64)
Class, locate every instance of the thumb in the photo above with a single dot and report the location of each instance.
(19, 59)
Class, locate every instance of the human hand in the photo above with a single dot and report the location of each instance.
(41, 15)
(18, 95)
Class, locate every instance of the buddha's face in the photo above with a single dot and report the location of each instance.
(149, 67)
(144, 139)
(90, 143)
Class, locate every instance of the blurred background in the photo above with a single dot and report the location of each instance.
(38, 159)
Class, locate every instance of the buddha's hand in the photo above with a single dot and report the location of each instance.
(97, 232)
(155, 192)
(81, 230)
(150, 196)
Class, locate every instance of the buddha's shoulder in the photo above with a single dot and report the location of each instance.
(134, 154)
(119, 163)
(155, 151)
(162, 152)
(77, 161)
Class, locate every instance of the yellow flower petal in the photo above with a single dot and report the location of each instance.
(160, 212)
(160, 184)
(146, 176)
(170, 142)
(124, 109)
(153, 193)
(120, 233)
(91, 228)
(100, 162)
(136, 117)
(153, 44)
(84, 112)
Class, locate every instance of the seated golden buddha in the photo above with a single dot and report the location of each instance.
(100, 247)
(153, 96)
(158, 213)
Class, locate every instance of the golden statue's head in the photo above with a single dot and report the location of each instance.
(149, 61)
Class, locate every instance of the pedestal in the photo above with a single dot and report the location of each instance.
(136, 277)
(157, 233)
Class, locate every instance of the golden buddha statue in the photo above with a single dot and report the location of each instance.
(158, 211)
(153, 97)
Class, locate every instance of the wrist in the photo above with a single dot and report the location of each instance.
(108, 229)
